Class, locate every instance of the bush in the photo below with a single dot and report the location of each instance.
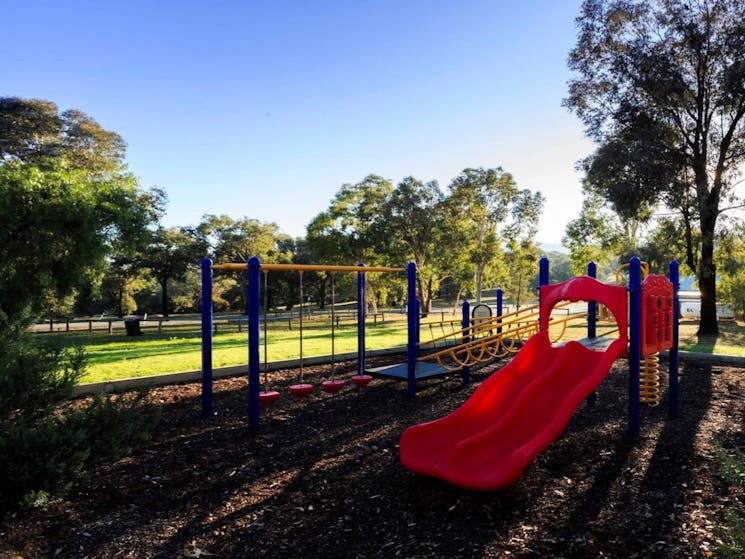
(46, 441)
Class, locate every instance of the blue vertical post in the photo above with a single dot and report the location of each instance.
(543, 275)
(673, 355)
(412, 346)
(361, 314)
(500, 296)
(206, 336)
(592, 307)
(254, 295)
(635, 312)
(466, 323)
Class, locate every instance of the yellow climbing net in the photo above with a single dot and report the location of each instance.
(491, 338)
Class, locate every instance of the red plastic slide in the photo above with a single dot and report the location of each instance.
(511, 418)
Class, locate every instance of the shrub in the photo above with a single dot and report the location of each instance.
(46, 441)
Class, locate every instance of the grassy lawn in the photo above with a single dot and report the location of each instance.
(731, 339)
(178, 347)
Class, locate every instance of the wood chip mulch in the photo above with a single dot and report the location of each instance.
(323, 479)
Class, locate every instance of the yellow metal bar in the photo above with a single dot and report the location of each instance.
(308, 268)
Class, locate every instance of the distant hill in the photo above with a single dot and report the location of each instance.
(553, 247)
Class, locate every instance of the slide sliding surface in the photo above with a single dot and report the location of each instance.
(511, 418)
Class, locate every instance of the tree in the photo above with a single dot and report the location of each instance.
(731, 251)
(122, 280)
(522, 253)
(410, 228)
(237, 240)
(599, 235)
(351, 231)
(56, 225)
(675, 67)
(66, 200)
(347, 232)
(169, 255)
(490, 211)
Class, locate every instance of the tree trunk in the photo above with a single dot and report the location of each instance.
(708, 325)
(164, 297)
(372, 299)
(479, 281)
(707, 277)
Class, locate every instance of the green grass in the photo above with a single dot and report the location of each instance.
(178, 347)
(731, 339)
(732, 533)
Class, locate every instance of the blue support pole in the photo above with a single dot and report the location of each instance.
(361, 314)
(592, 308)
(500, 296)
(635, 311)
(207, 337)
(543, 274)
(466, 323)
(254, 387)
(673, 354)
(412, 345)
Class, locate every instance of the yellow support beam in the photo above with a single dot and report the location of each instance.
(308, 268)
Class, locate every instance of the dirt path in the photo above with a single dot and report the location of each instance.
(323, 480)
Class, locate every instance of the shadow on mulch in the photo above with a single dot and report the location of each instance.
(323, 479)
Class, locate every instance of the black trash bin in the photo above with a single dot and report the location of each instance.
(132, 326)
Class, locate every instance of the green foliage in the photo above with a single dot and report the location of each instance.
(169, 255)
(731, 254)
(46, 443)
(660, 86)
(66, 201)
(732, 469)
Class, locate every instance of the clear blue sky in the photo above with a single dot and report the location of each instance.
(264, 109)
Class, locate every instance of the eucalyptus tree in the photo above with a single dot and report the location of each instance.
(67, 201)
(349, 231)
(490, 211)
(413, 227)
(673, 67)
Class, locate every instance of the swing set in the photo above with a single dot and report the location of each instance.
(258, 397)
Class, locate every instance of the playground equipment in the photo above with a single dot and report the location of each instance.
(488, 338)
(649, 383)
(255, 395)
(518, 411)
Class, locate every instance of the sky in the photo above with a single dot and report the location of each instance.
(264, 109)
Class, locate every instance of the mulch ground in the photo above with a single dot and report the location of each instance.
(323, 479)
